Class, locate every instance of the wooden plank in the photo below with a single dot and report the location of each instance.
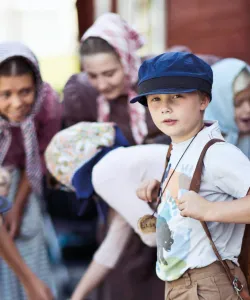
(85, 12)
(114, 6)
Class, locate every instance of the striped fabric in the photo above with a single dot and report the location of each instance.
(31, 245)
(33, 164)
(125, 40)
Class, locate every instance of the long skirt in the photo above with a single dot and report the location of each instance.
(31, 245)
(134, 276)
(115, 179)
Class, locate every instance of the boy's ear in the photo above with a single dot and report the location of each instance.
(205, 100)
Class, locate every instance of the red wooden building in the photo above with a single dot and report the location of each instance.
(219, 27)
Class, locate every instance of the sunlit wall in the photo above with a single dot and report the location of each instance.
(49, 28)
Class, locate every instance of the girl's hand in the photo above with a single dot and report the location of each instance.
(194, 206)
(148, 190)
(13, 221)
(36, 289)
(5, 179)
(14, 217)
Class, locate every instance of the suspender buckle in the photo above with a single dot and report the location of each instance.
(238, 288)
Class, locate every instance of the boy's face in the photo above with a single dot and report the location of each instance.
(179, 116)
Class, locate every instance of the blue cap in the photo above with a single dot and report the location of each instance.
(171, 73)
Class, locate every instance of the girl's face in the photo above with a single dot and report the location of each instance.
(106, 74)
(17, 96)
(242, 110)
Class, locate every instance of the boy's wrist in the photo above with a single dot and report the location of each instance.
(210, 215)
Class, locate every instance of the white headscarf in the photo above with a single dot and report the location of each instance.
(221, 107)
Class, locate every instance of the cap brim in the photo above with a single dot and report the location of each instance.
(143, 100)
(5, 205)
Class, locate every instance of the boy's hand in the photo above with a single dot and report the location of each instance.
(194, 206)
(148, 190)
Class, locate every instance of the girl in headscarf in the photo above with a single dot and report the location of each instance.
(230, 103)
(102, 92)
(108, 54)
(29, 117)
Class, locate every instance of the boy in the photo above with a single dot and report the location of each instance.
(34, 287)
(176, 87)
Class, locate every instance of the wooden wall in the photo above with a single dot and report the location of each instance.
(220, 27)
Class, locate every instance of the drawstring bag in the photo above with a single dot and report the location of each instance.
(74, 151)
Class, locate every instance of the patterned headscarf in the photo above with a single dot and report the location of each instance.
(33, 165)
(125, 40)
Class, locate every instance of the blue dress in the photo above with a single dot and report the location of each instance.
(31, 245)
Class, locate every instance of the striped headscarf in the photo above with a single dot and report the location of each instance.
(125, 40)
(32, 164)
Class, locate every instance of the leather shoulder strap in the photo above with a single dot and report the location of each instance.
(196, 180)
(195, 186)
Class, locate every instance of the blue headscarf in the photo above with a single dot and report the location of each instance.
(221, 107)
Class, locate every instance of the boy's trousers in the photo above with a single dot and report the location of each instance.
(208, 283)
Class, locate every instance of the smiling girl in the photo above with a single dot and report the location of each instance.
(29, 117)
